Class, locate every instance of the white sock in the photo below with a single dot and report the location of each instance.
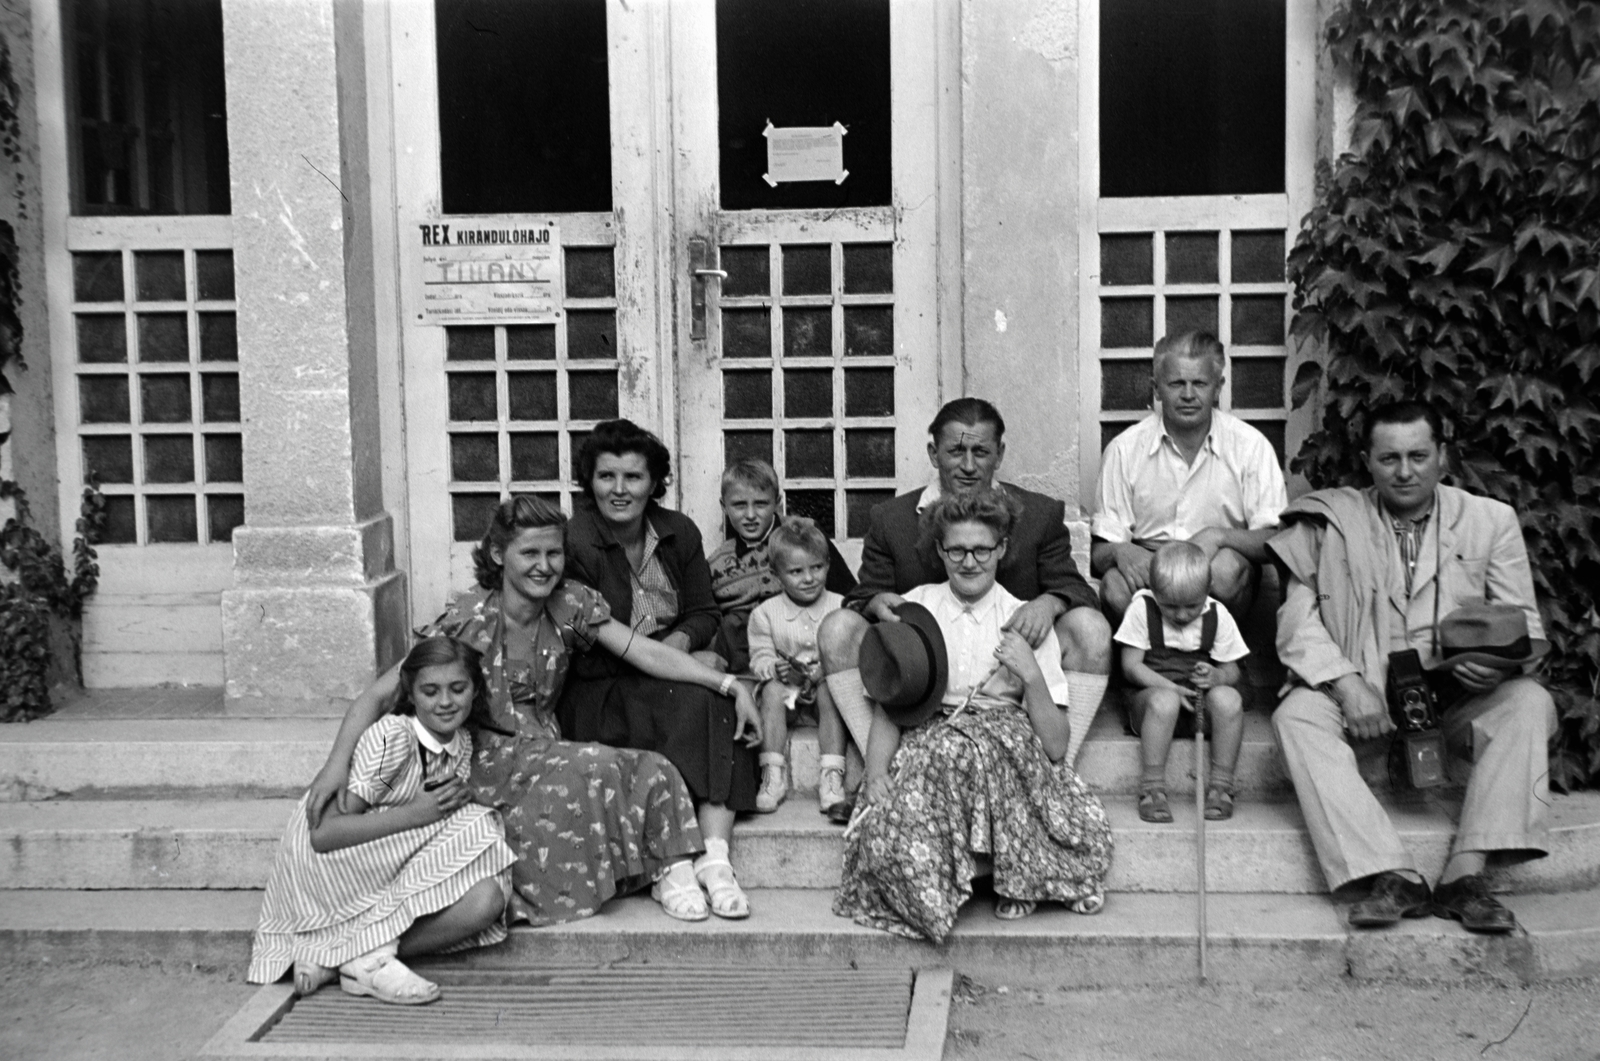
(831, 762)
(850, 697)
(772, 759)
(1084, 693)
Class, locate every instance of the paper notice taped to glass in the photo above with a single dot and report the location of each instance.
(805, 153)
(503, 269)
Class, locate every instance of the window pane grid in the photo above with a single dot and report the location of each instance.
(548, 387)
(148, 408)
(1248, 316)
(829, 426)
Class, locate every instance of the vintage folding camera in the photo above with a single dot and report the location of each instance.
(1419, 744)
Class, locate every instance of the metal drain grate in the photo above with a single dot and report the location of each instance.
(637, 1011)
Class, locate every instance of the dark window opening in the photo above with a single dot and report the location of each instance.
(803, 63)
(524, 106)
(148, 119)
(1191, 97)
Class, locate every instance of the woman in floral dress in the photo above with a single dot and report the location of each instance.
(985, 775)
(586, 821)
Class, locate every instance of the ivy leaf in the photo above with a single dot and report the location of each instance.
(1307, 378)
(1498, 261)
(1441, 256)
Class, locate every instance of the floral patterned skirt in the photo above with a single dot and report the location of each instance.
(586, 822)
(980, 784)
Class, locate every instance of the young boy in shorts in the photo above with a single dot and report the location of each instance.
(1180, 650)
(741, 576)
(784, 656)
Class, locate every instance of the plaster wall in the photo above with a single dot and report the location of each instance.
(1020, 233)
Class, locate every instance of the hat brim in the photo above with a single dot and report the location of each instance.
(1538, 645)
(913, 715)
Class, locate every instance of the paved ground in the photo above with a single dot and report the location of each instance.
(71, 1012)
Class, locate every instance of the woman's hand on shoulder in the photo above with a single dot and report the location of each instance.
(1017, 656)
(328, 787)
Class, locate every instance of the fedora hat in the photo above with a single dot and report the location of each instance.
(904, 666)
(1495, 635)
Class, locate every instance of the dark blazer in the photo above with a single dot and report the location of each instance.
(596, 558)
(1038, 556)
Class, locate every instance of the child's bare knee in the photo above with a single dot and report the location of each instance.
(1163, 703)
(1225, 701)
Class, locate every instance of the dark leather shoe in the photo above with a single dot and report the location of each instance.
(1467, 899)
(839, 813)
(1391, 898)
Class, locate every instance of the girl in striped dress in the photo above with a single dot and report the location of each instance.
(410, 865)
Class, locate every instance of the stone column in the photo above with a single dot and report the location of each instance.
(316, 607)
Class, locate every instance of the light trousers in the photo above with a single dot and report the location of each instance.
(1504, 734)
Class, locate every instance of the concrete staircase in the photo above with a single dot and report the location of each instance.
(146, 838)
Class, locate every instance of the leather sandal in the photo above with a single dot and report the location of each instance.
(1009, 909)
(715, 874)
(1219, 804)
(1153, 806)
(679, 894)
(309, 976)
(1092, 903)
(386, 978)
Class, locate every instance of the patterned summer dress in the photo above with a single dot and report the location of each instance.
(333, 906)
(586, 821)
(973, 783)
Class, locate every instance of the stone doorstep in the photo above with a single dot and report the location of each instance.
(187, 844)
(250, 757)
(1266, 940)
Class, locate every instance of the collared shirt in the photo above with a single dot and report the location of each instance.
(1135, 631)
(971, 635)
(1408, 535)
(779, 625)
(431, 751)
(1147, 493)
(655, 599)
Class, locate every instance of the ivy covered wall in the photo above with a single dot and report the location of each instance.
(1454, 255)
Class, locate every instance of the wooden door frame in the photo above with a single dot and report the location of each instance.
(925, 116)
(641, 209)
(1300, 50)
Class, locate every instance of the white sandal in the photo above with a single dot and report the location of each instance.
(1092, 903)
(309, 976)
(715, 874)
(386, 978)
(679, 893)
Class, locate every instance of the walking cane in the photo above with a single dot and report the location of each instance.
(1200, 825)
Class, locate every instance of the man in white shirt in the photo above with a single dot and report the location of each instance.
(1190, 472)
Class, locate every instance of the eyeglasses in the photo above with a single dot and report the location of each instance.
(959, 555)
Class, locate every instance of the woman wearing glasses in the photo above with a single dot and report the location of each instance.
(586, 821)
(985, 776)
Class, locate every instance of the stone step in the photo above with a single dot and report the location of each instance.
(258, 757)
(117, 844)
(89, 758)
(1265, 940)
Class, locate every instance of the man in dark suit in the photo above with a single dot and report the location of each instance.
(966, 448)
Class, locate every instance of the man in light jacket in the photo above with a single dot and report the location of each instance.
(1370, 572)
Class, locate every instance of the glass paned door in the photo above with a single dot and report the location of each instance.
(806, 328)
(521, 111)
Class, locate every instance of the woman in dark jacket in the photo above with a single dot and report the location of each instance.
(649, 564)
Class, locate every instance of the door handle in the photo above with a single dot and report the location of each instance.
(701, 268)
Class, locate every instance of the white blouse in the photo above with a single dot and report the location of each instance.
(972, 633)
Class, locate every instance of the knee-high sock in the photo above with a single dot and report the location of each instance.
(850, 697)
(1084, 693)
